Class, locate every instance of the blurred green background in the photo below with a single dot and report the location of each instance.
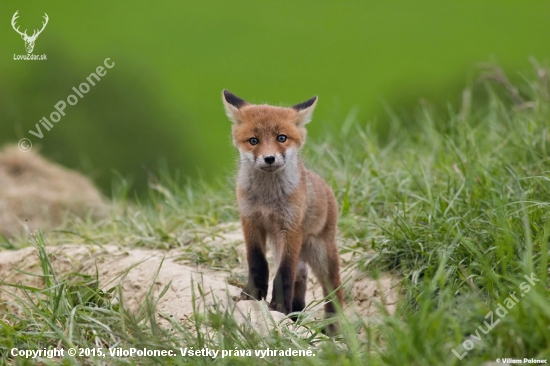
(160, 106)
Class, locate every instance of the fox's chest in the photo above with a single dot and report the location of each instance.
(270, 203)
(271, 197)
(266, 203)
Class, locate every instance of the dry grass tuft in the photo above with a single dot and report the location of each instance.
(37, 194)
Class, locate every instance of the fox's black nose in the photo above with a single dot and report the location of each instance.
(269, 159)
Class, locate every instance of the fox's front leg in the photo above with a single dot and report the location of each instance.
(258, 270)
(283, 285)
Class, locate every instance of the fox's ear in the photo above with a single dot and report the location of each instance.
(232, 105)
(305, 111)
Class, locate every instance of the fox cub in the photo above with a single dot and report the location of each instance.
(284, 204)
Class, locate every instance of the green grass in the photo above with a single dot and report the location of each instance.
(455, 203)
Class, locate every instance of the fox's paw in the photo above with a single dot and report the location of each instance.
(332, 329)
(246, 296)
(253, 293)
(278, 307)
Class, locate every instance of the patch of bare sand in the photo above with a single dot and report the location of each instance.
(366, 296)
(136, 271)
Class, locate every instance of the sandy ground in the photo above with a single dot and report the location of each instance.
(139, 270)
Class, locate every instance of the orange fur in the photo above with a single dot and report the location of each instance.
(283, 203)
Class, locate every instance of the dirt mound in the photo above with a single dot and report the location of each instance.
(365, 296)
(139, 272)
(37, 194)
(144, 272)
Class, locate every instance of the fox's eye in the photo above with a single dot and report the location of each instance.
(253, 141)
(281, 138)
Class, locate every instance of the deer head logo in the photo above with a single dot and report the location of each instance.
(29, 40)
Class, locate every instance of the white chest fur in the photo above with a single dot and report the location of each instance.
(267, 193)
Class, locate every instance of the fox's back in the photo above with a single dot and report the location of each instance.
(322, 209)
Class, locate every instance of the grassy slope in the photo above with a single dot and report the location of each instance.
(456, 202)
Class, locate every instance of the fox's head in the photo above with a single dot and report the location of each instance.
(267, 137)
